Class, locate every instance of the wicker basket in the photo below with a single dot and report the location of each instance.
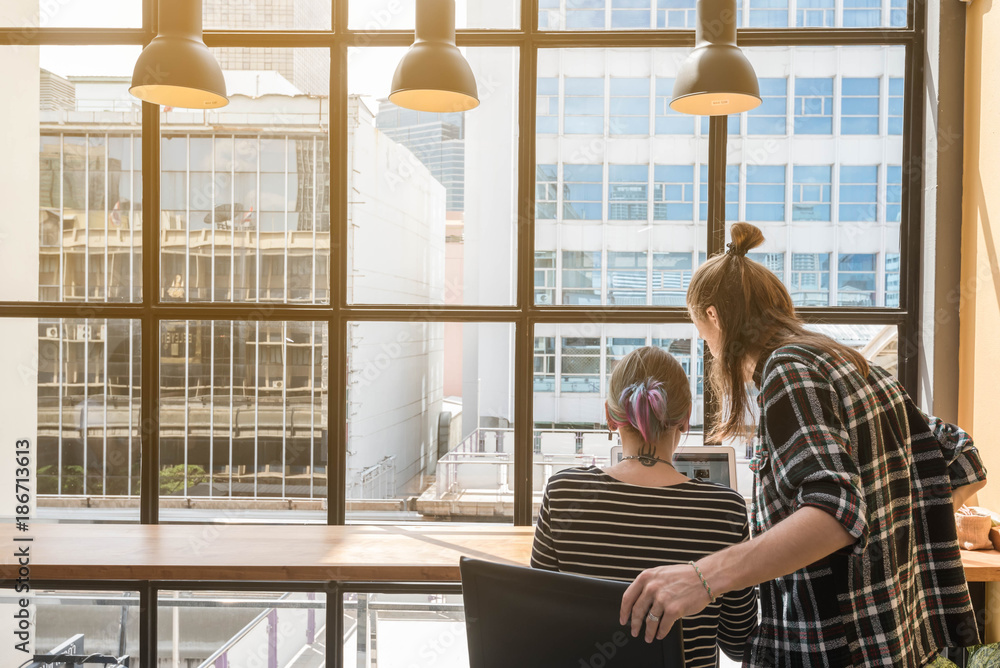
(974, 531)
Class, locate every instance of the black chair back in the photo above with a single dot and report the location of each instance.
(520, 617)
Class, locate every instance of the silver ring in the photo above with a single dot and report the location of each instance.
(652, 617)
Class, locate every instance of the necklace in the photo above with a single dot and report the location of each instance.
(648, 460)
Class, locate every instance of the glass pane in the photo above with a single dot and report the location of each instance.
(405, 630)
(433, 199)
(72, 389)
(72, 14)
(878, 343)
(271, 15)
(245, 190)
(243, 420)
(621, 192)
(430, 429)
(74, 622)
(681, 15)
(214, 629)
(74, 165)
(825, 194)
(373, 15)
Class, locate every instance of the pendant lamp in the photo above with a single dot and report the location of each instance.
(176, 69)
(433, 75)
(715, 79)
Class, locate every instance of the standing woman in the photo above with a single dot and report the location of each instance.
(854, 543)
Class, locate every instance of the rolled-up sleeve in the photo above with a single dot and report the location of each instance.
(965, 466)
(809, 447)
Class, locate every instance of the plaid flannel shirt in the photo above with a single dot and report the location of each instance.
(862, 451)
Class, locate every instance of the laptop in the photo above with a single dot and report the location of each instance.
(714, 463)
(531, 618)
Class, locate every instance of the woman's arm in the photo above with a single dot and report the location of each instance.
(806, 536)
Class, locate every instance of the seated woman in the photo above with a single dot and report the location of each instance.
(614, 522)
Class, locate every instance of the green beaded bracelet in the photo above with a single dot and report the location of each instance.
(704, 582)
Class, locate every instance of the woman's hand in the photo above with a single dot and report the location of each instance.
(667, 592)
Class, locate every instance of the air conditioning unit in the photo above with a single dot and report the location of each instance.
(52, 332)
(83, 332)
(277, 384)
(544, 298)
(100, 332)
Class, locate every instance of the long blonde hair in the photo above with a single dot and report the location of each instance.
(756, 317)
(649, 393)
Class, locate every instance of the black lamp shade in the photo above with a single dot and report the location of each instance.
(716, 78)
(176, 69)
(434, 75)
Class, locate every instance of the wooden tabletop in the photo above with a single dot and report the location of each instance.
(247, 552)
(413, 553)
(981, 565)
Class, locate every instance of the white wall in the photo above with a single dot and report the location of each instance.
(490, 233)
(396, 379)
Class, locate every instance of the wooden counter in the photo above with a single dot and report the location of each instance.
(246, 552)
(981, 565)
(175, 552)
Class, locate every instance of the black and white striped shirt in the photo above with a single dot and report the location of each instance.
(592, 524)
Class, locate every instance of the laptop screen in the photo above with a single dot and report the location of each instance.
(709, 466)
(700, 462)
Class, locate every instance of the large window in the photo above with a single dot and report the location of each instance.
(307, 253)
(322, 308)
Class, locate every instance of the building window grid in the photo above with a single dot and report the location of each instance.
(544, 376)
(631, 14)
(628, 106)
(628, 192)
(810, 280)
(812, 192)
(862, 14)
(583, 105)
(547, 105)
(666, 120)
(894, 104)
(770, 118)
(680, 14)
(673, 192)
(627, 279)
(859, 105)
(814, 105)
(768, 13)
(814, 13)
